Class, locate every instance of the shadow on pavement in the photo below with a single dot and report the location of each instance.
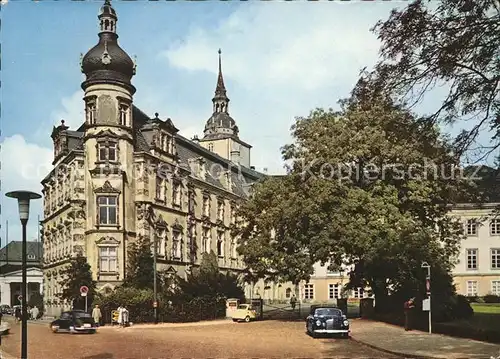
(99, 356)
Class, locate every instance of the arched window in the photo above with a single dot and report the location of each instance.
(288, 292)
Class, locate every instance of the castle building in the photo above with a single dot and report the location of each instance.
(122, 166)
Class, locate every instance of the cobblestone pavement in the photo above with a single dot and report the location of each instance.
(266, 339)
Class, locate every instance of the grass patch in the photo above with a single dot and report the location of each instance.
(486, 308)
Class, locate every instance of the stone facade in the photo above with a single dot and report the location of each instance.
(121, 166)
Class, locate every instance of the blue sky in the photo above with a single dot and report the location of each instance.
(279, 60)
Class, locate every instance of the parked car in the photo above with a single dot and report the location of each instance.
(327, 320)
(75, 321)
(244, 312)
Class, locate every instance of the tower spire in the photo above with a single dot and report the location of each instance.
(220, 100)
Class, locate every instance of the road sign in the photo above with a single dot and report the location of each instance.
(155, 304)
(84, 294)
(84, 289)
(426, 305)
(20, 298)
(428, 284)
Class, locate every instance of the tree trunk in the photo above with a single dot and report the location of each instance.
(379, 288)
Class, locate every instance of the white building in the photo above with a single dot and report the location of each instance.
(10, 271)
(477, 271)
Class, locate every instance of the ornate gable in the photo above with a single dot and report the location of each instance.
(107, 241)
(177, 226)
(160, 222)
(107, 188)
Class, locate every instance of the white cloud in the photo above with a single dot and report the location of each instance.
(23, 166)
(281, 61)
(298, 44)
(72, 111)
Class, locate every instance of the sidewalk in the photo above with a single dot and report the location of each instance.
(415, 344)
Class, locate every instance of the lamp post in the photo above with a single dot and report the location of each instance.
(426, 265)
(341, 272)
(23, 200)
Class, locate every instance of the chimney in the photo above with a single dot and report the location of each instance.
(265, 170)
(252, 168)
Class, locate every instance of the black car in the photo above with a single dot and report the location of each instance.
(75, 321)
(327, 320)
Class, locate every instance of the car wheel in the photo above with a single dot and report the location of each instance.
(54, 328)
(235, 320)
(247, 319)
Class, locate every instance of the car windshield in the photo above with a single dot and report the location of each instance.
(243, 306)
(327, 311)
(81, 315)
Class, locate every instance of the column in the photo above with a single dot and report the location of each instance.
(5, 293)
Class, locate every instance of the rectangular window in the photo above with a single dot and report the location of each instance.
(234, 248)
(205, 246)
(176, 194)
(358, 293)
(191, 203)
(333, 291)
(176, 245)
(161, 241)
(107, 152)
(220, 210)
(91, 113)
(309, 291)
(471, 227)
(472, 258)
(107, 210)
(495, 227)
(495, 258)
(124, 115)
(471, 288)
(206, 206)
(220, 244)
(160, 188)
(107, 259)
(495, 287)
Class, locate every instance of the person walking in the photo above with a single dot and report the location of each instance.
(34, 313)
(293, 302)
(120, 315)
(17, 314)
(409, 305)
(97, 315)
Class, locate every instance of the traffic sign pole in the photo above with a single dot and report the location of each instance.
(84, 290)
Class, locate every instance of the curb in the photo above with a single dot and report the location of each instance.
(405, 355)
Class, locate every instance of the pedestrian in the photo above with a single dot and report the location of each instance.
(34, 313)
(97, 315)
(409, 305)
(120, 315)
(125, 318)
(293, 301)
(17, 314)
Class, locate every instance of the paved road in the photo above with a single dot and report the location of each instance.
(266, 339)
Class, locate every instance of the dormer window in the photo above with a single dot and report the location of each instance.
(211, 147)
(124, 120)
(107, 152)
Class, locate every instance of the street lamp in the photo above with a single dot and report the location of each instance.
(426, 265)
(23, 200)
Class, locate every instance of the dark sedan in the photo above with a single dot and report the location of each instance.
(327, 320)
(75, 321)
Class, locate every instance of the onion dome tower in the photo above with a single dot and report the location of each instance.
(107, 62)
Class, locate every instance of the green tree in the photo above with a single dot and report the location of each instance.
(455, 43)
(76, 275)
(208, 282)
(368, 186)
(140, 261)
